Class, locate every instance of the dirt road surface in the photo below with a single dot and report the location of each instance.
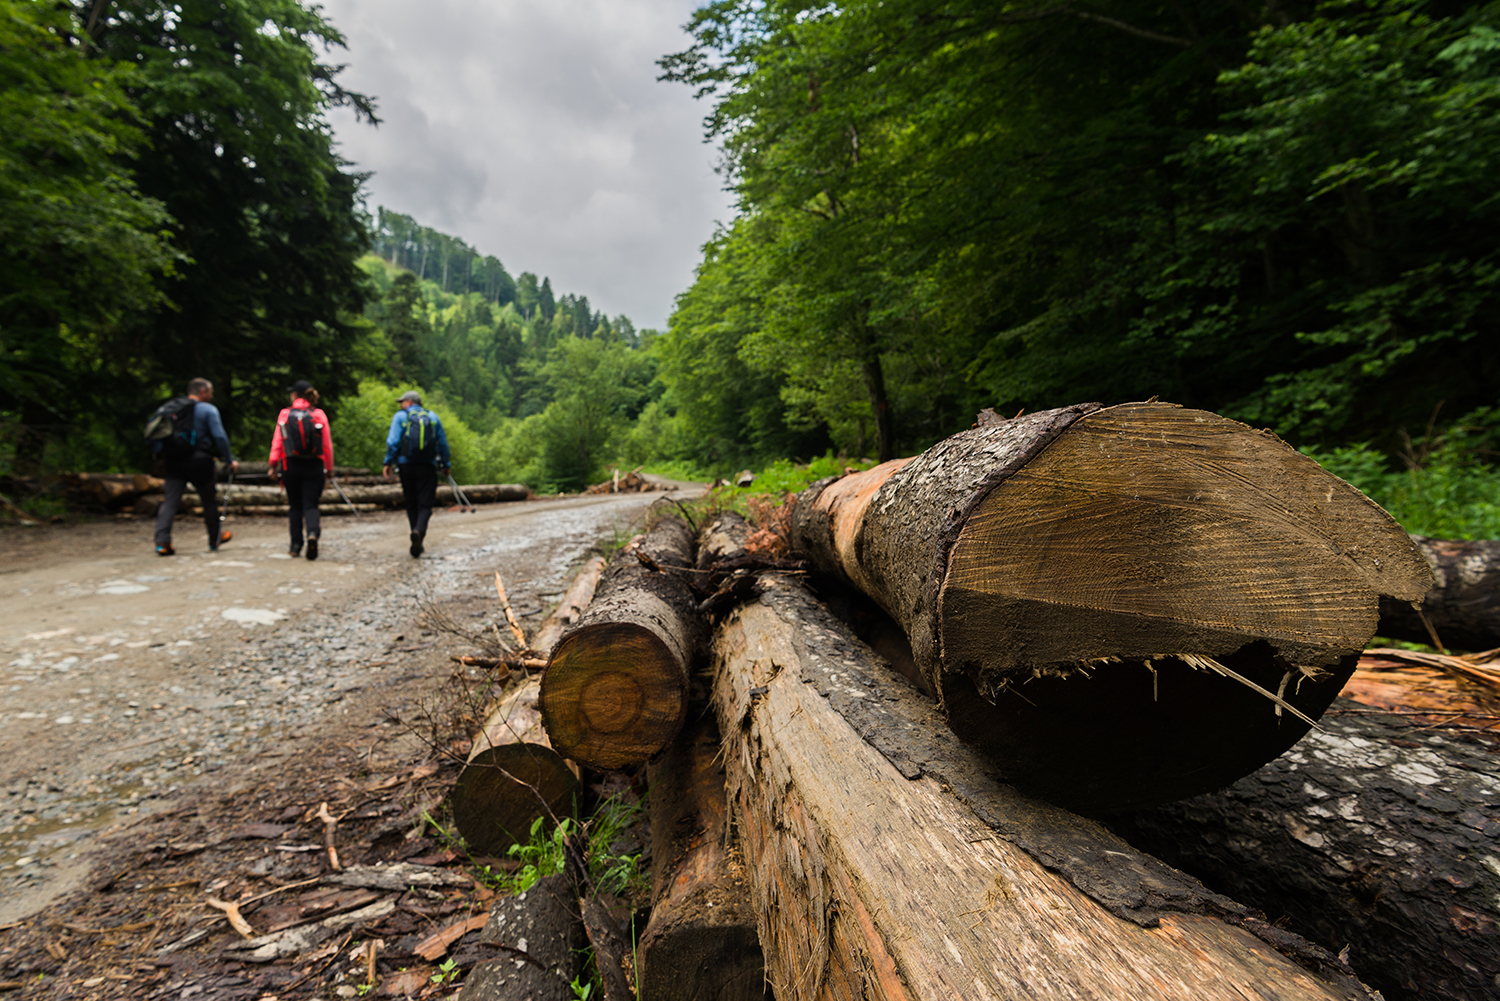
(131, 681)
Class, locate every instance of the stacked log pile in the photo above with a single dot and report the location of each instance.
(632, 482)
(1084, 609)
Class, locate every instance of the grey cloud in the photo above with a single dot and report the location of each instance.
(538, 133)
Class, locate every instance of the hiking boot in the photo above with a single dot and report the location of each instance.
(312, 548)
(224, 537)
(416, 543)
(165, 550)
(294, 551)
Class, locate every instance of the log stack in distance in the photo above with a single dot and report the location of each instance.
(1122, 606)
(615, 689)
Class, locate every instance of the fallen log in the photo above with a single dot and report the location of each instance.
(891, 863)
(1463, 607)
(570, 608)
(1125, 605)
(615, 690)
(701, 941)
(513, 776)
(1371, 831)
(536, 939)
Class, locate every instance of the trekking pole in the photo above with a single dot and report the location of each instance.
(352, 509)
(227, 487)
(458, 494)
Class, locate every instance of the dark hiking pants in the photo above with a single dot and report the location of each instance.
(303, 479)
(199, 471)
(419, 487)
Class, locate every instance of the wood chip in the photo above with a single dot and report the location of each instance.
(232, 912)
(435, 945)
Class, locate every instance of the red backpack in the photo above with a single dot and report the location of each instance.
(302, 435)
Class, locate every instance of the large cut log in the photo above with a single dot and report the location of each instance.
(890, 863)
(1123, 605)
(1372, 832)
(537, 941)
(513, 776)
(1463, 607)
(701, 943)
(615, 689)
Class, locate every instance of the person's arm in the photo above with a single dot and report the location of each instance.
(278, 450)
(215, 429)
(392, 441)
(327, 441)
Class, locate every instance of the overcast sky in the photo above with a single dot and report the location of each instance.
(535, 130)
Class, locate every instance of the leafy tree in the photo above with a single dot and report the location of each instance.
(80, 244)
(233, 95)
(406, 321)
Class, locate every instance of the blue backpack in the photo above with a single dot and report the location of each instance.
(419, 443)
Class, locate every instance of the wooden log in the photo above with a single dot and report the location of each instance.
(537, 941)
(903, 869)
(1124, 605)
(1463, 607)
(615, 690)
(701, 943)
(513, 776)
(1371, 831)
(577, 597)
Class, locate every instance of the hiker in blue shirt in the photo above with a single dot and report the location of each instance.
(187, 459)
(419, 449)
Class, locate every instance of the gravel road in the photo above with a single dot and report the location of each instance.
(131, 678)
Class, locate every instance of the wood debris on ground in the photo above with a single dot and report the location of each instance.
(632, 482)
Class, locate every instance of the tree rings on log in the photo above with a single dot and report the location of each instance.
(1123, 606)
(513, 777)
(615, 689)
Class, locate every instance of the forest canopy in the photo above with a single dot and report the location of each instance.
(1284, 212)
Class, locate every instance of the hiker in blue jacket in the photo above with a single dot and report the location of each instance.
(187, 459)
(418, 447)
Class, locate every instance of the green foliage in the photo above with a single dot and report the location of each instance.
(543, 855)
(447, 972)
(1446, 491)
(1293, 223)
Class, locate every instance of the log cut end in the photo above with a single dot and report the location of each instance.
(504, 790)
(613, 695)
(1159, 580)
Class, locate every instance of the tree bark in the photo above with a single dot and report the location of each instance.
(1123, 606)
(513, 776)
(537, 939)
(1372, 832)
(615, 689)
(891, 864)
(570, 608)
(701, 943)
(1463, 606)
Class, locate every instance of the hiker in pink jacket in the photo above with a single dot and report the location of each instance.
(301, 456)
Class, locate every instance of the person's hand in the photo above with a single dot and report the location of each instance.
(446, 470)
(274, 473)
(234, 467)
(385, 471)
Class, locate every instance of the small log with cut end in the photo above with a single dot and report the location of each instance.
(701, 943)
(898, 872)
(1125, 605)
(513, 776)
(615, 690)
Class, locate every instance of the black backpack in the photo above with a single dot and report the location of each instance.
(302, 435)
(172, 425)
(419, 442)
